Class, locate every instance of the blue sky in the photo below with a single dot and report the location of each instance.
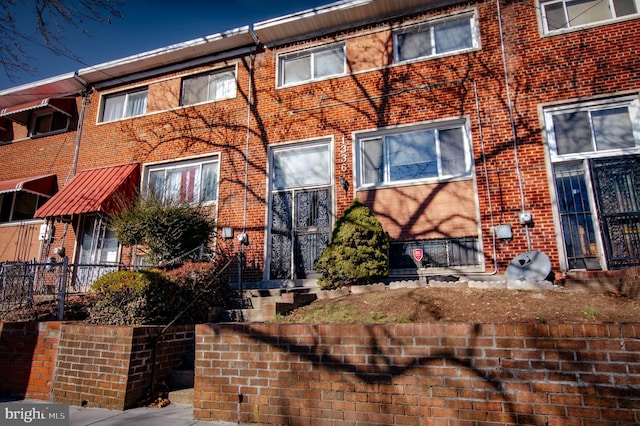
(148, 25)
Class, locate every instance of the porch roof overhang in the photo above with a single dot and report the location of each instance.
(40, 185)
(20, 113)
(97, 190)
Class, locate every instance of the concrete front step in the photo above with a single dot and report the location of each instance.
(181, 396)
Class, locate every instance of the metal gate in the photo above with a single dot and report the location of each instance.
(300, 230)
(617, 185)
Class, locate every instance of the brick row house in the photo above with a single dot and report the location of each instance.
(475, 131)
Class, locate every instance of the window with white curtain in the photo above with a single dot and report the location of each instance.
(564, 14)
(312, 64)
(419, 153)
(594, 127)
(212, 86)
(190, 182)
(444, 36)
(123, 105)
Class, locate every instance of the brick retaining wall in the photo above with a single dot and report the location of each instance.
(27, 356)
(108, 367)
(427, 374)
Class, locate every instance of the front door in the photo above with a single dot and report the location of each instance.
(98, 249)
(599, 206)
(300, 211)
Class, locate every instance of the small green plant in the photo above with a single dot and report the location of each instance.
(590, 312)
(541, 320)
(357, 253)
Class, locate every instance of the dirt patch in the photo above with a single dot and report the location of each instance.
(472, 305)
(76, 308)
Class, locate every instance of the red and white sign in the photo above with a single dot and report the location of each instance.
(417, 254)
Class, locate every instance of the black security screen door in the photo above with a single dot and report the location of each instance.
(617, 185)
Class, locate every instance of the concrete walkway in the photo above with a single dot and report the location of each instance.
(171, 415)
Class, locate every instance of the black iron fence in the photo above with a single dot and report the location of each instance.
(24, 283)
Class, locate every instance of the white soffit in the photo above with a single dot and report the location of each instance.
(335, 15)
(180, 52)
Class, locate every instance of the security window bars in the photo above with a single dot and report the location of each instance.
(213, 86)
(312, 64)
(423, 154)
(189, 182)
(594, 128)
(564, 14)
(435, 38)
(123, 105)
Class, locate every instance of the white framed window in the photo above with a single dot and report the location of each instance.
(444, 36)
(301, 166)
(123, 105)
(213, 86)
(565, 14)
(191, 181)
(576, 131)
(312, 64)
(48, 123)
(420, 153)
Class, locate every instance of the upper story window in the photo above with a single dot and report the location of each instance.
(427, 153)
(213, 86)
(123, 105)
(453, 35)
(191, 182)
(561, 14)
(593, 127)
(48, 122)
(19, 205)
(313, 64)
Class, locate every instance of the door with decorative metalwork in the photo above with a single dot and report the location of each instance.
(300, 210)
(300, 231)
(617, 185)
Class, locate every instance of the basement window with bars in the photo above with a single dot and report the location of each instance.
(437, 253)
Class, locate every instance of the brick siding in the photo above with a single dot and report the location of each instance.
(28, 354)
(427, 374)
(70, 363)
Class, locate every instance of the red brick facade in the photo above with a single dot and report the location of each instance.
(499, 90)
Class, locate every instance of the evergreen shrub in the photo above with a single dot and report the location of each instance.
(357, 253)
(157, 297)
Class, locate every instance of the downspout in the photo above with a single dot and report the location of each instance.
(514, 130)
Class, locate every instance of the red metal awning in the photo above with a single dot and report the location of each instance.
(97, 190)
(41, 185)
(20, 113)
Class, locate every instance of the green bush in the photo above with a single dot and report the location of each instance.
(166, 231)
(156, 297)
(357, 253)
